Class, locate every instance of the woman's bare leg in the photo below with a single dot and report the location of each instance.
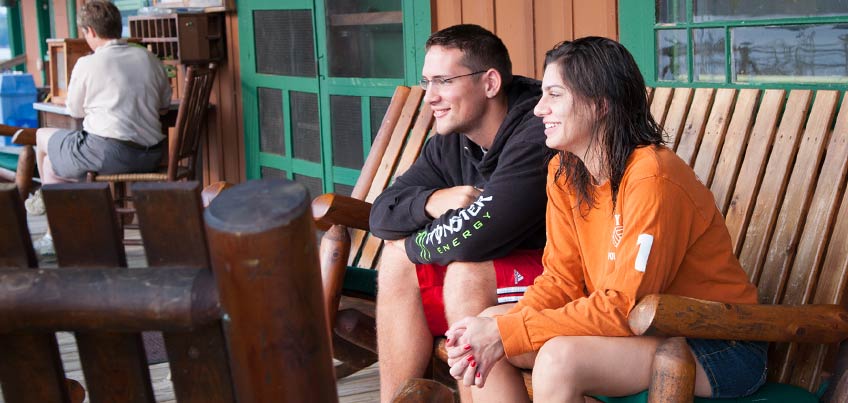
(505, 382)
(568, 368)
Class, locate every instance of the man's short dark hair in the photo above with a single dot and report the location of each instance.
(101, 16)
(482, 49)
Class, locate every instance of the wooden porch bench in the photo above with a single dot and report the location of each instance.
(234, 288)
(776, 162)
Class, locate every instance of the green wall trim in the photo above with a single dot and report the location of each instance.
(43, 16)
(16, 33)
(635, 23)
(345, 176)
(71, 6)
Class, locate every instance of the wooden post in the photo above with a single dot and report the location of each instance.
(333, 262)
(673, 373)
(263, 253)
(25, 171)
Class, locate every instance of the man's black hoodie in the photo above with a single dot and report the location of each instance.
(508, 215)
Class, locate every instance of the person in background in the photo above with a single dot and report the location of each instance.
(626, 218)
(465, 223)
(119, 91)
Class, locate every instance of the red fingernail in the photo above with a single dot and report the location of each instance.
(467, 347)
(473, 364)
(470, 358)
(478, 374)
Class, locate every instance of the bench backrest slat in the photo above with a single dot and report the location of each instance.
(676, 116)
(777, 264)
(761, 225)
(31, 367)
(754, 163)
(660, 101)
(809, 274)
(689, 139)
(176, 237)
(733, 148)
(405, 145)
(787, 230)
(389, 160)
(714, 135)
(115, 363)
(414, 143)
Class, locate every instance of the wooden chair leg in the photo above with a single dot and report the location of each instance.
(423, 391)
(672, 373)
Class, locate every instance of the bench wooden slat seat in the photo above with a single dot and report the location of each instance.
(211, 286)
(776, 162)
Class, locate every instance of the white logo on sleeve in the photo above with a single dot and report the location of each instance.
(645, 241)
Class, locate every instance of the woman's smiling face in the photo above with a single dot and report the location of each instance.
(567, 122)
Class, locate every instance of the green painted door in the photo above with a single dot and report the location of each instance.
(317, 77)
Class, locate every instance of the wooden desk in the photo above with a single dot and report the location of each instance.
(56, 115)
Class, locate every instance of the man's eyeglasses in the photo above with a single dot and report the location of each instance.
(444, 81)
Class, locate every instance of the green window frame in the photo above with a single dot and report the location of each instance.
(638, 30)
(332, 176)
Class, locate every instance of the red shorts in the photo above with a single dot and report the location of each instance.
(514, 274)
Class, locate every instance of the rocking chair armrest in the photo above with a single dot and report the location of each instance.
(19, 135)
(671, 315)
(331, 209)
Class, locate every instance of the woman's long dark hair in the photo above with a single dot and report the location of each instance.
(601, 73)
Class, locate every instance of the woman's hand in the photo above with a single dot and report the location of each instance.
(474, 346)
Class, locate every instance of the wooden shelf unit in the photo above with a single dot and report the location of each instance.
(188, 38)
(63, 56)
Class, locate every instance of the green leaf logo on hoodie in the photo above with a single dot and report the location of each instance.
(419, 240)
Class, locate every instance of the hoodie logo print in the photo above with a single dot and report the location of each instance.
(617, 231)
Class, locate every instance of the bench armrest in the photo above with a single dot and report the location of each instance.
(331, 209)
(19, 135)
(671, 315)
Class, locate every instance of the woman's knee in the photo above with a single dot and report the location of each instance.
(557, 363)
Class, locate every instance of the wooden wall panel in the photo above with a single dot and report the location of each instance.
(552, 25)
(480, 12)
(530, 27)
(596, 18)
(223, 150)
(33, 56)
(514, 24)
(446, 12)
(60, 18)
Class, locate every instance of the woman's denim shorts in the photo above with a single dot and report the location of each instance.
(734, 368)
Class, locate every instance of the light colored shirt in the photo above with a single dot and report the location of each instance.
(665, 235)
(119, 91)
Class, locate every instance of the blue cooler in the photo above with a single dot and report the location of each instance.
(17, 94)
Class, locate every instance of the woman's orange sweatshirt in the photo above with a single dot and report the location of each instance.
(664, 236)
